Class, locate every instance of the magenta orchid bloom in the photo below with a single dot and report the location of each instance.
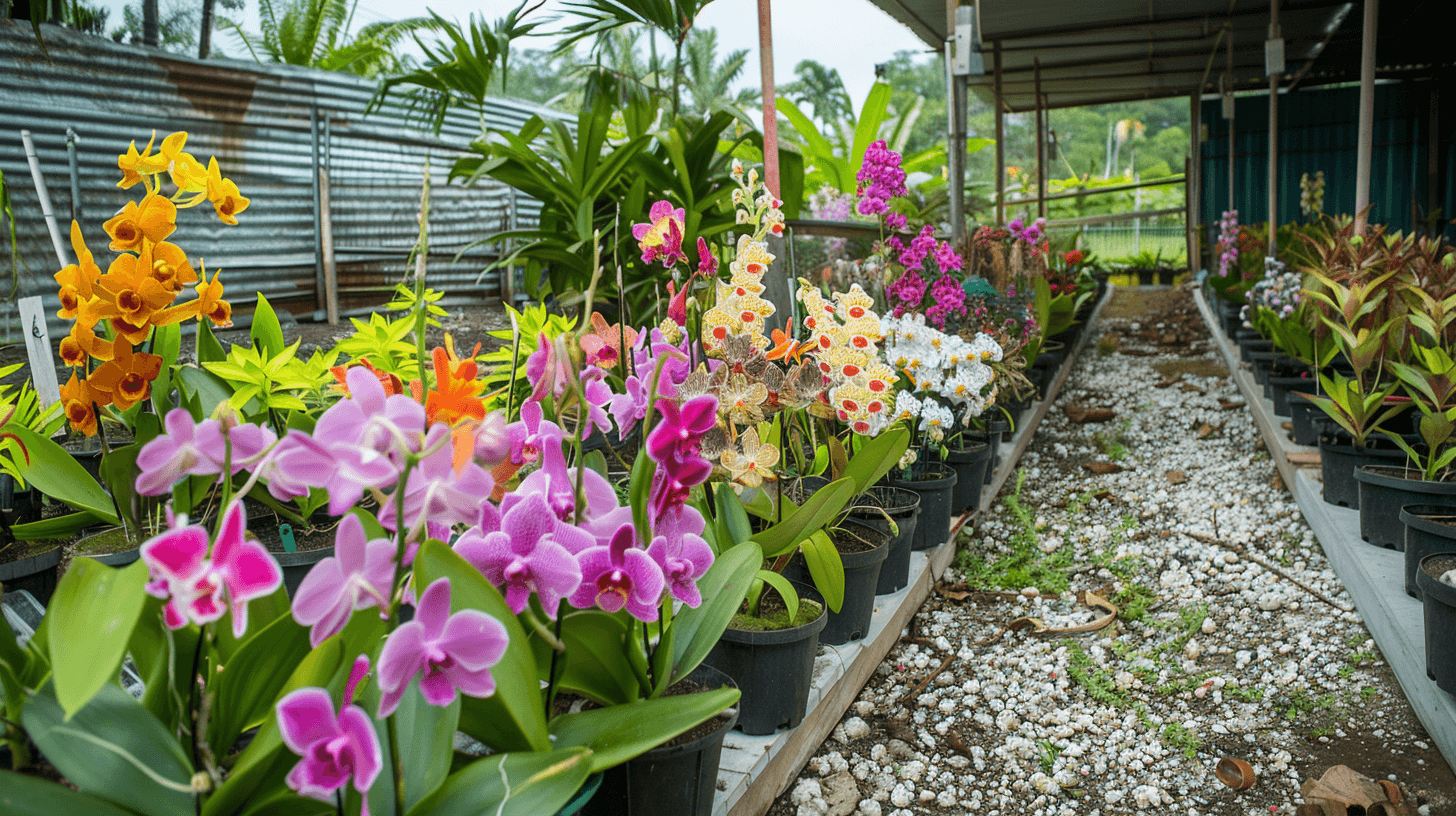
(620, 575)
(335, 749)
(197, 449)
(201, 589)
(676, 437)
(661, 238)
(449, 653)
(359, 574)
(531, 553)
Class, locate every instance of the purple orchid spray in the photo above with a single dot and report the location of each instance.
(334, 748)
(533, 552)
(449, 653)
(359, 574)
(620, 575)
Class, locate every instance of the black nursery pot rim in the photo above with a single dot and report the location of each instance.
(866, 558)
(947, 475)
(661, 753)
(1431, 585)
(1418, 517)
(1371, 474)
(793, 634)
(908, 502)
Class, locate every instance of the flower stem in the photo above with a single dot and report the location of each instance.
(551, 678)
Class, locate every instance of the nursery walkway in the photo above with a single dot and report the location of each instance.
(1166, 504)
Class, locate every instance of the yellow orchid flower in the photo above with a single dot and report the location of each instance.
(77, 280)
(755, 463)
(224, 195)
(153, 220)
(83, 344)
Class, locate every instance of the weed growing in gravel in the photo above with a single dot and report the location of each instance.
(1025, 565)
(1178, 738)
(1107, 344)
(1249, 694)
(1095, 680)
(1049, 754)
(1133, 601)
(1113, 444)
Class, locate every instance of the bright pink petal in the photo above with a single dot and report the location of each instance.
(368, 757)
(306, 716)
(178, 554)
(474, 639)
(432, 609)
(399, 661)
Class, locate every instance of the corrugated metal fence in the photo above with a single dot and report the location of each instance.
(1318, 130)
(266, 124)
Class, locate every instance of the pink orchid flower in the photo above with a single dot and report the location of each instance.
(449, 653)
(197, 449)
(201, 589)
(681, 553)
(359, 574)
(661, 238)
(438, 491)
(620, 575)
(549, 367)
(531, 553)
(334, 748)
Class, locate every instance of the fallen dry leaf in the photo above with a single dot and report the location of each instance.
(1205, 431)
(1103, 467)
(1304, 458)
(1228, 404)
(1081, 414)
(1192, 389)
(1176, 477)
(1168, 382)
(1136, 352)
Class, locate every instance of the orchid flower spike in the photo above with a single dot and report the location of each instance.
(335, 749)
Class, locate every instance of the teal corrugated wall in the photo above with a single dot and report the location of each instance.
(1318, 131)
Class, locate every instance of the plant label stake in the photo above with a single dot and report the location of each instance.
(285, 533)
(38, 347)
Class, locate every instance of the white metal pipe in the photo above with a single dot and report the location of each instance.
(45, 200)
(1367, 114)
(1273, 140)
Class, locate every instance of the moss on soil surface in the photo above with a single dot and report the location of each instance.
(777, 619)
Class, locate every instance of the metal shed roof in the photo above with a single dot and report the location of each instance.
(1118, 50)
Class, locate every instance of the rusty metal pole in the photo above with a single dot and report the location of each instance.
(1367, 114)
(1041, 156)
(770, 114)
(1192, 179)
(1000, 141)
(776, 279)
(1273, 139)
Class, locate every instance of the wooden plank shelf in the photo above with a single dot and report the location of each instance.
(754, 771)
(1374, 576)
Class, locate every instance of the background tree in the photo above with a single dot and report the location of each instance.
(710, 82)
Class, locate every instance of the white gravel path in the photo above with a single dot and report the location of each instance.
(1214, 656)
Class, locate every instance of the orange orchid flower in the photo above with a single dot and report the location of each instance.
(153, 220)
(77, 280)
(456, 394)
(171, 268)
(224, 195)
(128, 376)
(392, 384)
(82, 344)
(133, 299)
(785, 347)
(603, 344)
(210, 304)
(79, 400)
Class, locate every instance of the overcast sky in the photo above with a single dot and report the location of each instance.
(848, 35)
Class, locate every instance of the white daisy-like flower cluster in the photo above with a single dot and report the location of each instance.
(942, 367)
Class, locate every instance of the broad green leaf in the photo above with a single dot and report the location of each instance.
(785, 590)
(812, 515)
(92, 616)
(871, 114)
(115, 749)
(209, 350)
(210, 389)
(56, 473)
(22, 795)
(618, 733)
(267, 334)
(249, 682)
(875, 457)
(697, 629)
(512, 718)
(596, 658)
(514, 784)
(58, 527)
(825, 567)
(166, 343)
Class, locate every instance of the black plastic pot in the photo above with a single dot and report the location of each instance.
(933, 528)
(861, 576)
(1337, 469)
(1439, 600)
(1304, 419)
(774, 670)
(1384, 491)
(1145, 276)
(1244, 337)
(1279, 389)
(35, 574)
(1040, 379)
(997, 432)
(904, 507)
(1262, 362)
(116, 559)
(1425, 534)
(20, 506)
(970, 464)
(1246, 350)
(676, 781)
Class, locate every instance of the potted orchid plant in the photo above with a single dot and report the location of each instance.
(478, 566)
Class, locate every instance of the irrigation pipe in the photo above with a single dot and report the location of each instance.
(45, 199)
